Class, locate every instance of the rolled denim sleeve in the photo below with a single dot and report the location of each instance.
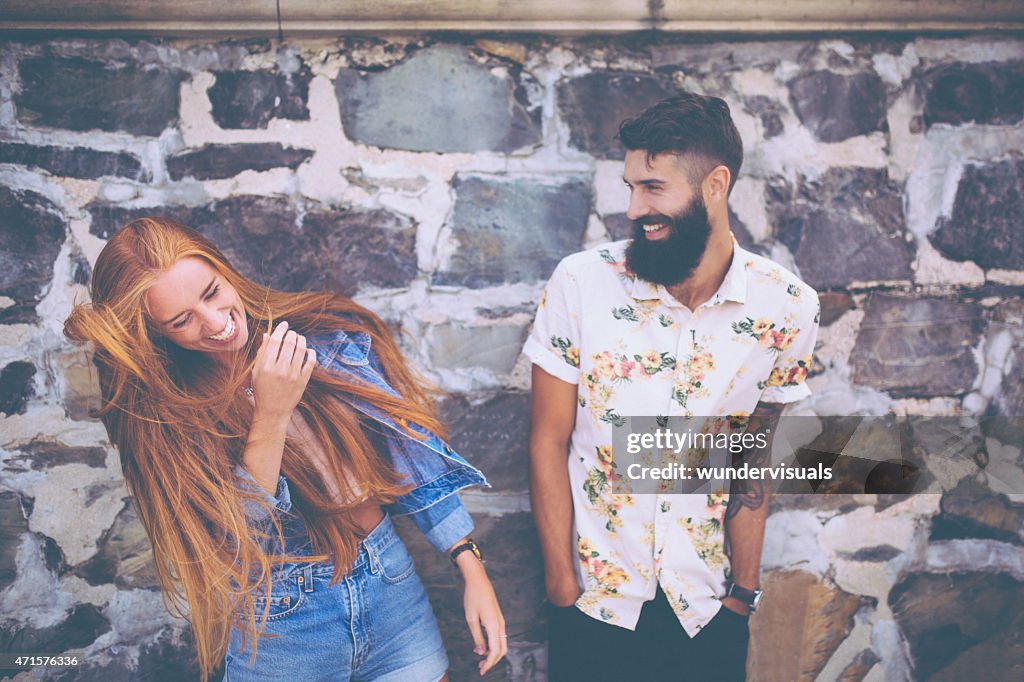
(444, 523)
(281, 500)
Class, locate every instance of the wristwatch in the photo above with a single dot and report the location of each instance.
(467, 546)
(752, 598)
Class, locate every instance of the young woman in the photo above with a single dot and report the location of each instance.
(266, 436)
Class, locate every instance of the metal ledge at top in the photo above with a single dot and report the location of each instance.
(306, 17)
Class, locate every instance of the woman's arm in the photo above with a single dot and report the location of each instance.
(279, 378)
(483, 613)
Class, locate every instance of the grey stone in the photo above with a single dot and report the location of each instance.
(493, 432)
(493, 347)
(594, 105)
(514, 230)
(82, 95)
(83, 625)
(876, 553)
(17, 386)
(73, 162)
(42, 454)
(31, 234)
(170, 658)
(917, 347)
(845, 227)
(985, 226)
(619, 226)
(439, 100)
(334, 249)
(249, 99)
(837, 107)
(125, 555)
(950, 619)
(971, 510)
(991, 93)
(500, 312)
(512, 552)
(216, 161)
(13, 526)
(769, 111)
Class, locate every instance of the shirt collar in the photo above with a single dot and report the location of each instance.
(733, 287)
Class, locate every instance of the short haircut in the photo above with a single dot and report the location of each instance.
(688, 124)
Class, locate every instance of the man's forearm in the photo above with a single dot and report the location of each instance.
(551, 499)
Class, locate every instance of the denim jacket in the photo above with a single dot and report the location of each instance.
(435, 470)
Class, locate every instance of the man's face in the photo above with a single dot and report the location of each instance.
(669, 216)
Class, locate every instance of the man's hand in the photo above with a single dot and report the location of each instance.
(563, 590)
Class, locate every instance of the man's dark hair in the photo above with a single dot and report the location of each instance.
(688, 124)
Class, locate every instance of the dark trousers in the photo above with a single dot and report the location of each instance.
(585, 649)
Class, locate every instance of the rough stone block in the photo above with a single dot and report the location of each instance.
(83, 95)
(917, 347)
(514, 230)
(980, 93)
(837, 107)
(847, 226)
(32, 232)
(986, 223)
(13, 526)
(492, 347)
(73, 162)
(493, 432)
(439, 100)
(333, 249)
(216, 161)
(800, 625)
(514, 565)
(83, 625)
(596, 104)
(249, 99)
(17, 386)
(769, 111)
(834, 305)
(961, 625)
(972, 510)
(42, 454)
(125, 555)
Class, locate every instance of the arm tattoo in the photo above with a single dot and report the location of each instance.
(752, 493)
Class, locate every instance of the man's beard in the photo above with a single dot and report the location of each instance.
(671, 260)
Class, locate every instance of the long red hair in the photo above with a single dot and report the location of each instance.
(180, 422)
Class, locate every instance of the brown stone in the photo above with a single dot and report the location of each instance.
(961, 626)
(971, 510)
(800, 624)
(834, 305)
(857, 669)
(81, 384)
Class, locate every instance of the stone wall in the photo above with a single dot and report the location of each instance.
(439, 180)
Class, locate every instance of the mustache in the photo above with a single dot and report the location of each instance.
(652, 220)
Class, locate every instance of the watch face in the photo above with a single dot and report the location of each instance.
(756, 601)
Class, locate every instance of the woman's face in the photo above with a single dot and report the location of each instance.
(194, 307)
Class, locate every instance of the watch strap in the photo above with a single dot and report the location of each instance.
(467, 546)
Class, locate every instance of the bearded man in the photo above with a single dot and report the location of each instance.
(680, 321)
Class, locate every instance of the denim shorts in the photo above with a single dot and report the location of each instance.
(375, 624)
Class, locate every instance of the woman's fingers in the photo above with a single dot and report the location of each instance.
(310, 364)
(299, 357)
(271, 348)
(479, 643)
(497, 645)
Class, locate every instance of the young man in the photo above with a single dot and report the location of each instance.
(678, 321)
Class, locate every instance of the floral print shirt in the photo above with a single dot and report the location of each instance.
(633, 350)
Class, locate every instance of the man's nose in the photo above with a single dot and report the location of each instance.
(638, 208)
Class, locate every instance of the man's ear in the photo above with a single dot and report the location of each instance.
(716, 184)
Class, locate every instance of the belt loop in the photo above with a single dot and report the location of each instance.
(306, 579)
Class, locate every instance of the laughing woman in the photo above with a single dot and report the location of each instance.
(266, 461)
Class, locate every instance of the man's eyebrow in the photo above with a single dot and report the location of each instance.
(646, 182)
(201, 297)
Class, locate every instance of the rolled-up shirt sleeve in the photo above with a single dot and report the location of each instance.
(444, 523)
(554, 341)
(281, 500)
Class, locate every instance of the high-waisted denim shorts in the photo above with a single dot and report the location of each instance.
(375, 624)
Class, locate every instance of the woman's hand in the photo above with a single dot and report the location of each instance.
(482, 612)
(279, 377)
(282, 371)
